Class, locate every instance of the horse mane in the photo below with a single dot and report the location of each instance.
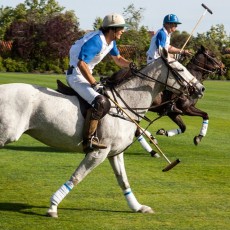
(117, 78)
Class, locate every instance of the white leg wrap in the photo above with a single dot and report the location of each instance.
(61, 193)
(144, 144)
(204, 128)
(131, 200)
(173, 132)
(147, 132)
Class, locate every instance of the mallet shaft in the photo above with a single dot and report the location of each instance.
(139, 128)
(206, 10)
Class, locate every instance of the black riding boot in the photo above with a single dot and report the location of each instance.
(90, 141)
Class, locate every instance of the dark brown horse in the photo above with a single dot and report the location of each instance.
(201, 65)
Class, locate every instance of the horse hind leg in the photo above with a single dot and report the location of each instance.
(91, 161)
(117, 163)
(176, 118)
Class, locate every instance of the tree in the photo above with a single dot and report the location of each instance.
(59, 33)
(139, 40)
(8, 15)
(39, 10)
(133, 16)
(218, 34)
(98, 23)
(45, 39)
(179, 38)
(215, 39)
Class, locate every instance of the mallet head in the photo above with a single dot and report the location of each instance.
(172, 165)
(206, 8)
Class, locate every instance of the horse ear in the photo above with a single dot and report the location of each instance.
(163, 52)
(202, 48)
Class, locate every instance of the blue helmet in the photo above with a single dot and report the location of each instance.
(171, 18)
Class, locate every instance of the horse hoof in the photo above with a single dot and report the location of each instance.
(52, 214)
(161, 132)
(145, 209)
(154, 154)
(196, 140)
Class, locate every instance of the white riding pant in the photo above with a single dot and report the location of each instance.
(78, 83)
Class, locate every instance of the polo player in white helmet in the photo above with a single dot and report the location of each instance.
(85, 53)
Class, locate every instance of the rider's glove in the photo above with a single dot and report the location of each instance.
(98, 87)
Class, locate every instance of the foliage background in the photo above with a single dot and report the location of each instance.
(41, 32)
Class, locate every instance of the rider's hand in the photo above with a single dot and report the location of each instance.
(98, 87)
(132, 65)
(186, 53)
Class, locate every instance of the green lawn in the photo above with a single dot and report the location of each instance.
(193, 195)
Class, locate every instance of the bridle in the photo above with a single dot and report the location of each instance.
(209, 66)
(188, 87)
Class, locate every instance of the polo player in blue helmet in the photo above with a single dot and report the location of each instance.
(162, 38)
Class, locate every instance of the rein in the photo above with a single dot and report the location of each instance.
(143, 76)
(113, 90)
(175, 73)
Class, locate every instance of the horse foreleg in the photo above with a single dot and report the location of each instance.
(91, 161)
(193, 111)
(176, 118)
(117, 163)
(145, 145)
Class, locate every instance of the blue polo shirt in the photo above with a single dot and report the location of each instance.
(91, 49)
(161, 38)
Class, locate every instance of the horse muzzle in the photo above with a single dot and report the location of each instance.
(196, 91)
(201, 94)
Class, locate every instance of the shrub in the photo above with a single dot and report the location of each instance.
(2, 68)
(54, 69)
(227, 75)
(15, 66)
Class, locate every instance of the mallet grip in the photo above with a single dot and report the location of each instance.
(206, 8)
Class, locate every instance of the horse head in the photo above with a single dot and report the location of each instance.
(192, 86)
(204, 62)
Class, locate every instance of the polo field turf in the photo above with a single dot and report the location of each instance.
(193, 195)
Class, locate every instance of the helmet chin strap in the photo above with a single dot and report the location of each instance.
(114, 33)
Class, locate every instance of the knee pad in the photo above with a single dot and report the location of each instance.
(101, 106)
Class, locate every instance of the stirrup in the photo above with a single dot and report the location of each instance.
(93, 138)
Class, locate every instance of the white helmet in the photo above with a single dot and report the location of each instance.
(114, 20)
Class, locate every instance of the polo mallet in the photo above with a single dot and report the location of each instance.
(171, 164)
(202, 16)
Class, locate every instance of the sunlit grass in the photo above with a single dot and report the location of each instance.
(193, 195)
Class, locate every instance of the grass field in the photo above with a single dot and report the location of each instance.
(193, 195)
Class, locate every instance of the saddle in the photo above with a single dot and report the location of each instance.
(66, 90)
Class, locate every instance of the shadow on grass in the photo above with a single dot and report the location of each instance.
(48, 149)
(19, 207)
(27, 209)
(36, 149)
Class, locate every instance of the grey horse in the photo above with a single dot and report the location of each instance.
(56, 120)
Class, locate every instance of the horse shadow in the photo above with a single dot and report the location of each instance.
(35, 149)
(26, 209)
(20, 208)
